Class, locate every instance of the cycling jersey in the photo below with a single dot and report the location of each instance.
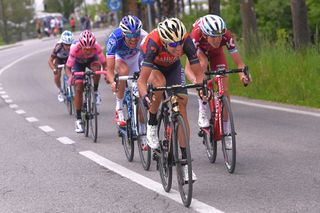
(155, 54)
(76, 54)
(116, 45)
(60, 54)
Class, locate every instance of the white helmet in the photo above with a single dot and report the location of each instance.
(212, 25)
(171, 30)
(66, 37)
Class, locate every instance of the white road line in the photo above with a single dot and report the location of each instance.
(146, 182)
(20, 111)
(1, 88)
(46, 128)
(2, 92)
(13, 106)
(8, 101)
(5, 96)
(264, 106)
(31, 119)
(65, 140)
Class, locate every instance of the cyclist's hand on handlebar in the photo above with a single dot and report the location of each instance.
(146, 101)
(246, 80)
(113, 86)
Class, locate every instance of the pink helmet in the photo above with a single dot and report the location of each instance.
(87, 39)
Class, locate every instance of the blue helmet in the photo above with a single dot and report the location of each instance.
(130, 24)
(66, 37)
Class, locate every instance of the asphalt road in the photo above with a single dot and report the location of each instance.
(277, 153)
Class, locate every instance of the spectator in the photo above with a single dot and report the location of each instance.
(72, 24)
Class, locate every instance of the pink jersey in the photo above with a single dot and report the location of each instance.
(76, 54)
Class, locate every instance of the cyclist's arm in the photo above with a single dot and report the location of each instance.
(240, 65)
(143, 80)
(51, 64)
(203, 63)
(110, 68)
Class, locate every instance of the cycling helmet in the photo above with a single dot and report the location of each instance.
(212, 25)
(130, 24)
(87, 39)
(66, 37)
(171, 30)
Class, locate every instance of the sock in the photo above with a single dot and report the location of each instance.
(152, 119)
(201, 105)
(119, 103)
(183, 152)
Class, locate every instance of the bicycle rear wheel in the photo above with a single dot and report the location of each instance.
(93, 117)
(229, 151)
(69, 97)
(185, 187)
(165, 155)
(127, 139)
(144, 149)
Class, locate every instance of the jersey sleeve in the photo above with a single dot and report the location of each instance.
(55, 51)
(150, 51)
(190, 50)
(111, 45)
(229, 41)
(99, 53)
(72, 55)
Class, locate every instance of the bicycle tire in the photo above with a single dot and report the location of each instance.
(69, 97)
(93, 118)
(185, 188)
(87, 111)
(127, 139)
(210, 144)
(165, 157)
(228, 154)
(145, 151)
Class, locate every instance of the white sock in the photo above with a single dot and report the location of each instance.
(226, 127)
(201, 105)
(142, 128)
(119, 103)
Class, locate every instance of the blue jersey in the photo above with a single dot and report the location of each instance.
(116, 45)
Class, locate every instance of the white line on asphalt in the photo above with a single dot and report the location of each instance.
(8, 101)
(1, 88)
(13, 106)
(284, 109)
(46, 128)
(146, 182)
(2, 92)
(22, 58)
(65, 140)
(20, 111)
(5, 96)
(31, 119)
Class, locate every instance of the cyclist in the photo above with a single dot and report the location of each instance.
(122, 53)
(161, 66)
(58, 56)
(84, 53)
(210, 35)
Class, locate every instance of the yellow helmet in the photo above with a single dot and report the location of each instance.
(171, 30)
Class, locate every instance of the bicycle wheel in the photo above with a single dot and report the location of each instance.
(165, 154)
(93, 118)
(185, 187)
(87, 110)
(69, 99)
(127, 139)
(229, 152)
(144, 149)
(210, 144)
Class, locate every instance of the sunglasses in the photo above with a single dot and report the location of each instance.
(175, 44)
(132, 35)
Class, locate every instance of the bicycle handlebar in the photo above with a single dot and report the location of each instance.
(175, 87)
(223, 71)
(135, 76)
(60, 66)
(90, 72)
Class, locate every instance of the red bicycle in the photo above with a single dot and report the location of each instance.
(221, 120)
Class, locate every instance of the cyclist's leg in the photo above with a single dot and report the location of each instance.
(78, 96)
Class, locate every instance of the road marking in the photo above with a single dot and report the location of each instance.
(20, 111)
(13, 106)
(1, 88)
(65, 140)
(8, 101)
(2, 92)
(31, 119)
(46, 128)
(5, 96)
(147, 182)
(264, 106)
(22, 58)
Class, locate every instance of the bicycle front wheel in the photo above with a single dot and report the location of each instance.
(210, 144)
(127, 138)
(164, 159)
(86, 110)
(93, 118)
(185, 183)
(229, 136)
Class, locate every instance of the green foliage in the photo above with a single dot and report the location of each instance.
(66, 7)
(231, 15)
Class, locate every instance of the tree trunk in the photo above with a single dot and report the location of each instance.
(301, 33)
(249, 27)
(214, 7)
(4, 21)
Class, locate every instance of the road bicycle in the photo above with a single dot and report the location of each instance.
(170, 121)
(67, 91)
(89, 113)
(220, 113)
(131, 132)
